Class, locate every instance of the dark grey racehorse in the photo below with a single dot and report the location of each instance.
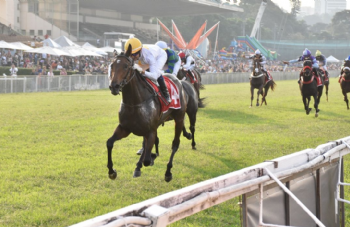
(308, 87)
(140, 112)
(345, 84)
(197, 84)
(257, 81)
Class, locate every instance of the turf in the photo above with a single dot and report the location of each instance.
(53, 150)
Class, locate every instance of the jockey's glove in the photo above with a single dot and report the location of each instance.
(137, 67)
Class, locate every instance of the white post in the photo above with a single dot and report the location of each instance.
(216, 41)
(157, 30)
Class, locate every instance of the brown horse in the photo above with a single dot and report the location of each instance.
(325, 79)
(196, 82)
(309, 88)
(140, 112)
(258, 81)
(345, 84)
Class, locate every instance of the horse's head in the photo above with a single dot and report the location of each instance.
(120, 71)
(307, 68)
(256, 66)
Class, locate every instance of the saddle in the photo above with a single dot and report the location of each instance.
(173, 92)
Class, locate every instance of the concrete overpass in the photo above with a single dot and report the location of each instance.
(162, 8)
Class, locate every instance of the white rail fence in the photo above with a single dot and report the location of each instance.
(174, 206)
(29, 83)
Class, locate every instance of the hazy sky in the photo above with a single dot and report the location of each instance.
(285, 4)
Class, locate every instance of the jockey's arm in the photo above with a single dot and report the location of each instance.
(189, 59)
(171, 63)
(153, 69)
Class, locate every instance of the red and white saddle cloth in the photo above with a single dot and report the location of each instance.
(268, 78)
(194, 78)
(318, 79)
(173, 92)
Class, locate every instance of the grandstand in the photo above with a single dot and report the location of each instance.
(88, 20)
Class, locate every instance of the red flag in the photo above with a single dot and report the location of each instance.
(178, 34)
(201, 39)
(174, 38)
(193, 43)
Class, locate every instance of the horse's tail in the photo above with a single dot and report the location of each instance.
(201, 86)
(201, 103)
(273, 85)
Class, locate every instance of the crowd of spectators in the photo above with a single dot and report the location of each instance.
(41, 64)
(245, 65)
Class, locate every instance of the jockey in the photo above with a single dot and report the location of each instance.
(173, 60)
(306, 56)
(322, 61)
(188, 63)
(262, 61)
(154, 57)
(345, 64)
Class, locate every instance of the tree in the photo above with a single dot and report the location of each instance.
(295, 7)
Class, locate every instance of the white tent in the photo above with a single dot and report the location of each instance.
(49, 50)
(64, 41)
(90, 47)
(79, 51)
(332, 59)
(51, 43)
(7, 45)
(109, 49)
(21, 46)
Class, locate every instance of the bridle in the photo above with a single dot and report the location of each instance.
(130, 69)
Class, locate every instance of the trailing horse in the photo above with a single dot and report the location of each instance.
(196, 82)
(325, 79)
(344, 81)
(309, 87)
(259, 81)
(141, 112)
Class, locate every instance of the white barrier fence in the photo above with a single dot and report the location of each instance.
(93, 82)
(173, 206)
(24, 84)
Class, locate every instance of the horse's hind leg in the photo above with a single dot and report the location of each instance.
(327, 91)
(118, 134)
(175, 146)
(257, 99)
(186, 134)
(345, 98)
(251, 95)
(266, 90)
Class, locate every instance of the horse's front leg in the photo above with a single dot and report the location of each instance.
(118, 134)
(316, 101)
(179, 124)
(146, 157)
(306, 105)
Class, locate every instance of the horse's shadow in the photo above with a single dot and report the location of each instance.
(238, 117)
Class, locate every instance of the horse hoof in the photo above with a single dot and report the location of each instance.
(257, 104)
(189, 136)
(194, 148)
(168, 178)
(113, 175)
(137, 173)
(316, 114)
(147, 162)
(139, 152)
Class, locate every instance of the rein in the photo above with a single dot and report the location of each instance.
(130, 68)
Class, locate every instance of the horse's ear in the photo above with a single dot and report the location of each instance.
(128, 51)
(115, 53)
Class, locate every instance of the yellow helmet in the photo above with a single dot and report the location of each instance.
(135, 43)
(318, 53)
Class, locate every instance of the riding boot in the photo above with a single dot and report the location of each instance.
(164, 89)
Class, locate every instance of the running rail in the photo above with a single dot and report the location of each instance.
(173, 206)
